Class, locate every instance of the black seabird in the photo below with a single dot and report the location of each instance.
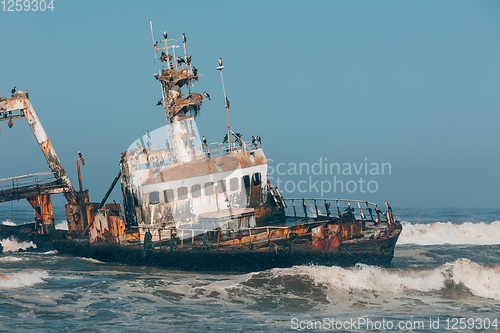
(258, 139)
(188, 60)
(220, 61)
(195, 71)
(253, 139)
(227, 103)
(204, 140)
(180, 60)
(13, 91)
(160, 102)
(27, 95)
(184, 37)
(165, 34)
(225, 139)
(206, 95)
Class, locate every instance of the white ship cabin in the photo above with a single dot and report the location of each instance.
(186, 184)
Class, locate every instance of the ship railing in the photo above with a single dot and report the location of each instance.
(32, 179)
(305, 208)
(219, 149)
(185, 233)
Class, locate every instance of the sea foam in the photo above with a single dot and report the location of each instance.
(22, 279)
(13, 245)
(449, 233)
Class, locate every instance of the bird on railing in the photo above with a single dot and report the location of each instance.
(204, 140)
(258, 139)
(188, 60)
(225, 139)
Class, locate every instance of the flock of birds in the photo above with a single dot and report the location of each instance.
(238, 137)
(187, 61)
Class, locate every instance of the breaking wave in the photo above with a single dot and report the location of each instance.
(480, 280)
(23, 279)
(62, 225)
(449, 233)
(9, 222)
(13, 245)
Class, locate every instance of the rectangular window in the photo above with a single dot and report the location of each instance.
(196, 191)
(221, 186)
(246, 181)
(256, 179)
(168, 195)
(233, 184)
(154, 198)
(209, 188)
(182, 193)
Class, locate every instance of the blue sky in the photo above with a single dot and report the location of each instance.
(412, 83)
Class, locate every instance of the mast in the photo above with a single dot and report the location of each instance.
(226, 103)
(177, 106)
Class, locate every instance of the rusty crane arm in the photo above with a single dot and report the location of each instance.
(8, 107)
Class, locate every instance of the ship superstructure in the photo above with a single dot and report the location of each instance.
(172, 178)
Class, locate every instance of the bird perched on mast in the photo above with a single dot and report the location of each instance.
(227, 103)
(180, 60)
(220, 61)
(165, 34)
(206, 95)
(184, 37)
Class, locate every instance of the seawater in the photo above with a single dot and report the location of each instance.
(446, 267)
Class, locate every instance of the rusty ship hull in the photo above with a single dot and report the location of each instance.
(239, 258)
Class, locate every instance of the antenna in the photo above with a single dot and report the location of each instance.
(220, 68)
(185, 54)
(152, 36)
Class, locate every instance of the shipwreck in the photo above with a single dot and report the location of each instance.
(193, 205)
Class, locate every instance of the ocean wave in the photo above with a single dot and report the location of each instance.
(62, 225)
(449, 233)
(9, 223)
(13, 245)
(22, 279)
(480, 280)
(10, 259)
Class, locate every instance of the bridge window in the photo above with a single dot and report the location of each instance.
(168, 195)
(209, 188)
(221, 186)
(233, 184)
(182, 193)
(196, 191)
(154, 198)
(256, 179)
(246, 181)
